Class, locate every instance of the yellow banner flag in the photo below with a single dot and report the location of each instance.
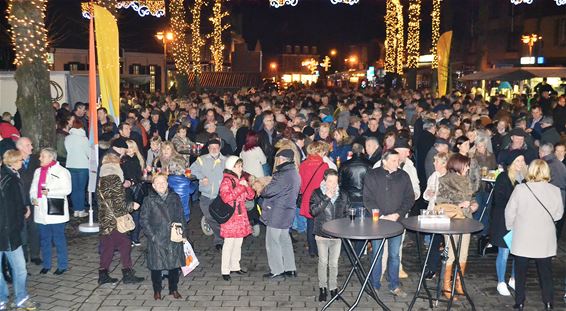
(443, 52)
(107, 50)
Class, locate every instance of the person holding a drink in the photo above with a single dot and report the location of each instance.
(328, 203)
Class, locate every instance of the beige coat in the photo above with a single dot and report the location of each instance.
(534, 234)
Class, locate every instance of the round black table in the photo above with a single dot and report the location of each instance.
(455, 227)
(360, 229)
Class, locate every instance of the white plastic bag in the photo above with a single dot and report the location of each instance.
(191, 261)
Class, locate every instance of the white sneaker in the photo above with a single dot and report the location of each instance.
(76, 214)
(502, 289)
(511, 283)
(82, 214)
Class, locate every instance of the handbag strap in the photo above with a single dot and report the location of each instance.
(312, 177)
(549, 214)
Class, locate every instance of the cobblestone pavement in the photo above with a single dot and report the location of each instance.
(204, 289)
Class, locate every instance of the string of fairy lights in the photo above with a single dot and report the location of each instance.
(435, 31)
(400, 38)
(28, 33)
(413, 33)
(394, 37)
(179, 27)
(217, 48)
(196, 40)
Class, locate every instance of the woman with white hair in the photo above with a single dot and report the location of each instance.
(49, 190)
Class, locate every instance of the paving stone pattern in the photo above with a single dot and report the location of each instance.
(204, 288)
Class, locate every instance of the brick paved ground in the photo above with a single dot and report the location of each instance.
(204, 289)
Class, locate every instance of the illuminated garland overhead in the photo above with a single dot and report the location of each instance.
(400, 39)
(435, 31)
(350, 2)
(217, 48)
(394, 37)
(280, 3)
(560, 2)
(144, 8)
(196, 40)
(179, 27)
(30, 47)
(413, 33)
(516, 2)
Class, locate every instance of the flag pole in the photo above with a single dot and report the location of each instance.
(91, 226)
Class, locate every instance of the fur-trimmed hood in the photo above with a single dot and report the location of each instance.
(111, 169)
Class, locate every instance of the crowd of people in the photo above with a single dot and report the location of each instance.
(304, 157)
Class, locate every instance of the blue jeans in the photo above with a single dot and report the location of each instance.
(135, 236)
(501, 264)
(393, 261)
(79, 181)
(481, 198)
(53, 234)
(19, 275)
(313, 249)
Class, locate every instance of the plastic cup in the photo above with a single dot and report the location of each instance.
(352, 214)
(375, 214)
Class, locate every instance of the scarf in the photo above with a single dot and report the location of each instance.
(335, 196)
(43, 177)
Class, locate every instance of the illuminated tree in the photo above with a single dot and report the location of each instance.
(181, 51)
(217, 48)
(29, 39)
(413, 33)
(197, 42)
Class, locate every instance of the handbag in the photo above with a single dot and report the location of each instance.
(508, 238)
(300, 196)
(450, 210)
(139, 191)
(176, 232)
(221, 211)
(124, 223)
(55, 206)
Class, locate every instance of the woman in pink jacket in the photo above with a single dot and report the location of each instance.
(234, 190)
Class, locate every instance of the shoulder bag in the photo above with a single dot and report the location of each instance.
(124, 223)
(220, 210)
(300, 196)
(55, 207)
(176, 228)
(508, 238)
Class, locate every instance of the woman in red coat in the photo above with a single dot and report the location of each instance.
(234, 189)
(312, 173)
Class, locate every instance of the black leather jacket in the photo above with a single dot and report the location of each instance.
(351, 174)
(323, 210)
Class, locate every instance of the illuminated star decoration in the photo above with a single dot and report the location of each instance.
(350, 2)
(435, 31)
(311, 65)
(144, 8)
(217, 47)
(280, 3)
(196, 40)
(413, 33)
(28, 46)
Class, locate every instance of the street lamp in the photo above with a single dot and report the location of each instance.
(164, 37)
(333, 52)
(530, 40)
(273, 68)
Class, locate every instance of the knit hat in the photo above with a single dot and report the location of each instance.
(308, 131)
(401, 143)
(120, 143)
(511, 156)
(231, 162)
(214, 142)
(286, 153)
(441, 141)
(518, 132)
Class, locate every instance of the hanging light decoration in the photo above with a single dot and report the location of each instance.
(560, 2)
(280, 3)
(517, 2)
(400, 38)
(155, 8)
(197, 42)
(217, 48)
(350, 2)
(179, 27)
(413, 33)
(435, 31)
(394, 37)
(29, 46)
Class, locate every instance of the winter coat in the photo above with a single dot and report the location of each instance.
(78, 149)
(455, 189)
(60, 136)
(132, 168)
(340, 151)
(323, 210)
(351, 176)
(157, 214)
(267, 147)
(409, 168)
(26, 176)
(58, 182)
(235, 195)
(280, 196)
(253, 161)
(184, 187)
(549, 135)
(308, 171)
(111, 196)
(182, 145)
(213, 169)
(424, 143)
(534, 233)
(12, 209)
(227, 135)
(557, 173)
(389, 192)
(432, 184)
(501, 194)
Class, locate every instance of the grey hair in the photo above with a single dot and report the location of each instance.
(428, 124)
(482, 140)
(546, 149)
(372, 138)
(21, 140)
(51, 152)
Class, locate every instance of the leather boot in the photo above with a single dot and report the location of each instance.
(104, 277)
(447, 284)
(129, 276)
(459, 290)
(323, 294)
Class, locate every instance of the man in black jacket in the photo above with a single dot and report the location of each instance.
(268, 137)
(388, 189)
(352, 174)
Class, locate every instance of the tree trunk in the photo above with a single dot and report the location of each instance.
(32, 75)
(182, 85)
